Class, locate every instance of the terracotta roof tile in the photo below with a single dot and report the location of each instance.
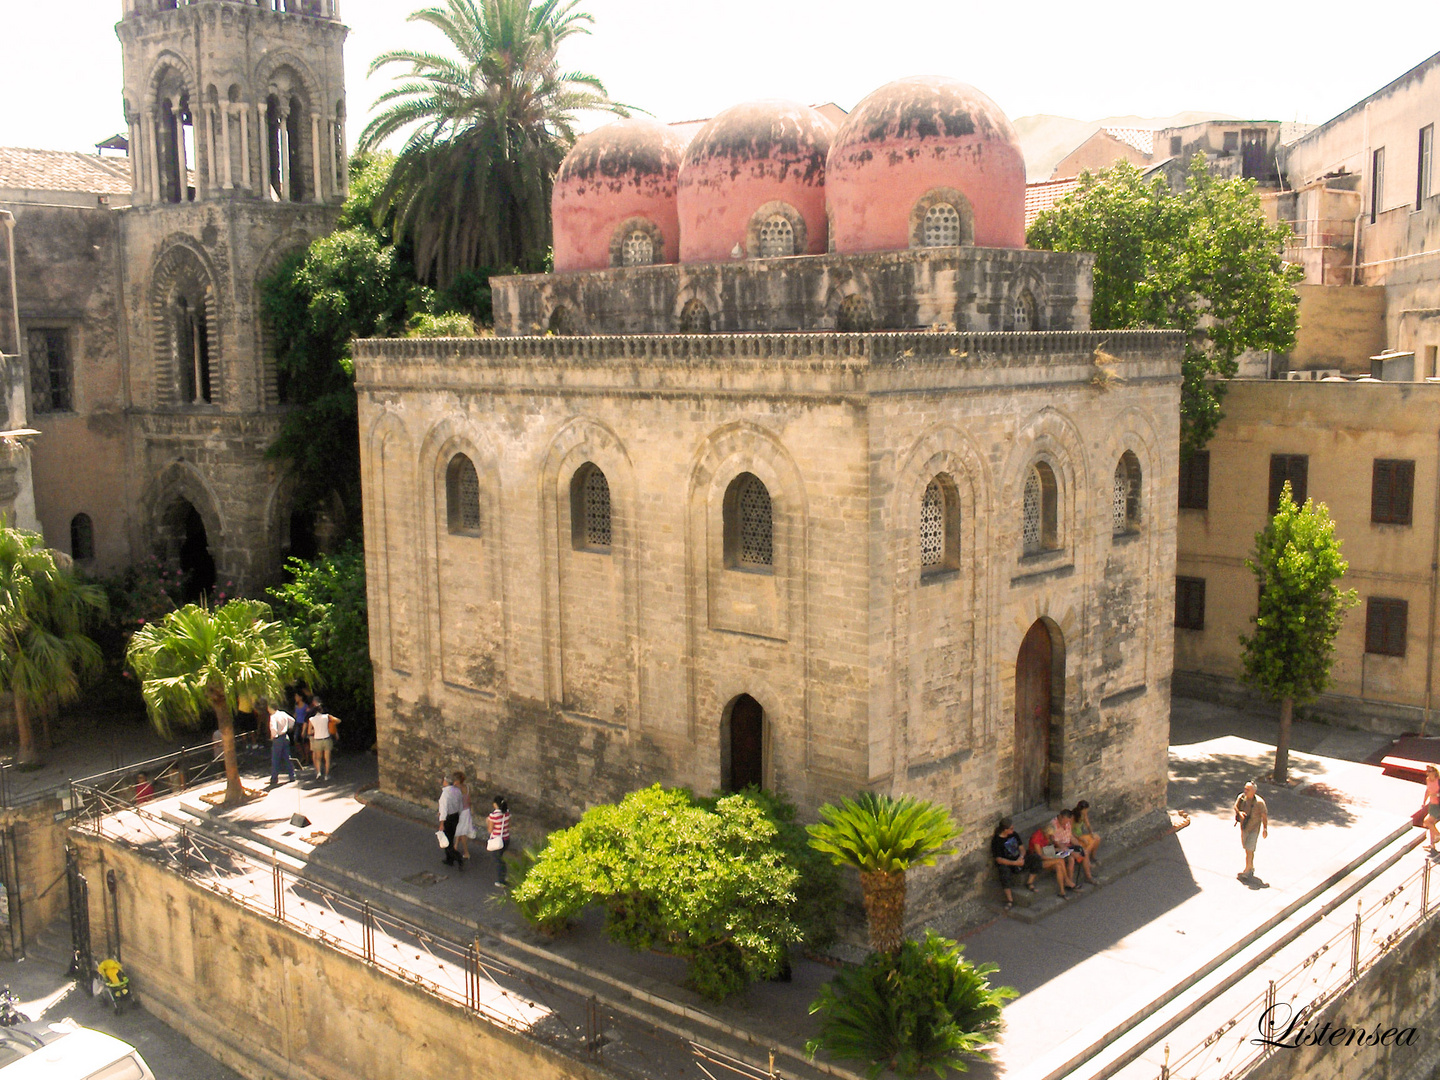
(1043, 194)
(63, 170)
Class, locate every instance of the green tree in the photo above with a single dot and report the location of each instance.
(44, 613)
(199, 660)
(1297, 561)
(883, 837)
(487, 129)
(324, 604)
(710, 885)
(1203, 260)
(923, 1007)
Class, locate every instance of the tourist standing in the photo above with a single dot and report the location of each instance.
(322, 739)
(280, 724)
(300, 733)
(499, 841)
(1254, 821)
(451, 803)
(1431, 806)
(465, 831)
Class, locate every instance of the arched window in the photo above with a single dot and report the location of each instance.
(590, 509)
(82, 538)
(694, 318)
(192, 349)
(942, 226)
(1039, 530)
(777, 237)
(462, 496)
(638, 249)
(1022, 312)
(561, 324)
(749, 528)
(1125, 495)
(853, 315)
(939, 527)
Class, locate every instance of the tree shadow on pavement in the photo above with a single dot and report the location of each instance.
(1209, 784)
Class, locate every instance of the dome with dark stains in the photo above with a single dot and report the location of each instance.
(926, 161)
(614, 199)
(752, 176)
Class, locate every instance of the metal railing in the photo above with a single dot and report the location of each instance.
(1320, 233)
(169, 774)
(462, 974)
(1301, 992)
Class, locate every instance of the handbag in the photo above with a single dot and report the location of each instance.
(440, 835)
(495, 843)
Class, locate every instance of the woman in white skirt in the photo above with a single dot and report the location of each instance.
(465, 830)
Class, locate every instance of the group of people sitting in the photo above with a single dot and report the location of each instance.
(1065, 846)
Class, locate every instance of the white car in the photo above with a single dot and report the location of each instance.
(66, 1051)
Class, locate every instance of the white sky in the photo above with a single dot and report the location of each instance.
(60, 72)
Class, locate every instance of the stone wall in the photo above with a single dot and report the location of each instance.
(964, 288)
(270, 1002)
(40, 851)
(571, 676)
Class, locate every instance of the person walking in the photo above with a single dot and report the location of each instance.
(451, 803)
(1254, 821)
(300, 733)
(322, 739)
(1431, 806)
(499, 841)
(465, 831)
(280, 724)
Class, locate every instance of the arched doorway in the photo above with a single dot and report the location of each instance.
(189, 545)
(1035, 686)
(742, 761)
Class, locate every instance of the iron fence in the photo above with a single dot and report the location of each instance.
(168, 774)
(1323, 974)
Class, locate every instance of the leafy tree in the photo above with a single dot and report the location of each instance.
(1297, 561)
(1203, 260)
(711, 885)
(883, 837)
(199, 660)
(923, 1007)
(44, 613)
(488, 127)
(324, 605)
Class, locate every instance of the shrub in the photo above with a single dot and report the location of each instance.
(923, 1007)
(710, 884)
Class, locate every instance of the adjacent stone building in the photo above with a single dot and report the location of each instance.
(841, 500)
(137, 285)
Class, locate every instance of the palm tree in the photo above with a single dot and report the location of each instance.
(44, 611)
(198, 660)
(488, 128)
(882, 837)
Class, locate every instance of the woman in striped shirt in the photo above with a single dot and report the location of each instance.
(499, 828)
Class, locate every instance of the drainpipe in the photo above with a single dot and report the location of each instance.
(1434, 581)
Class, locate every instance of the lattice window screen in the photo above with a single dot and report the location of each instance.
(597, 509)
(1031, 512)
(777, 238)
(637, 250)
(942, 226)
(756, 526)
(464, 495)
(932, 527)
(1120, 499)
(1024, 312)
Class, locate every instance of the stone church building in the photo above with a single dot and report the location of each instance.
(799, 470)
(150, 382)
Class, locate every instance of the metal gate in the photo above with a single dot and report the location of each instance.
(82, 961)
(12, 915)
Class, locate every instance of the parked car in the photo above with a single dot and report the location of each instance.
(66, 1051)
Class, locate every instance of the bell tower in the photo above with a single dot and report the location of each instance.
(236, 117)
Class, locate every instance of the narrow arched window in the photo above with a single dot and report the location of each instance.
(560, 322)
(82, 538)
(853, 315)
(638, 249)
(748, 525)
(1039, 510)
(1125, 495)
(942, 226)
(192, 349)
(590, 509)
(694, 318)
(1022, 312)
(939, 527)
(462, 496)
(777, 237)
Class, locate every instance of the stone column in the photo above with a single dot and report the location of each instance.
(137, 146)
(245, 147)
(282, 128)
(182, 169)
(225, 113)
(262, 131)
(344, 160)
(212, 174)
(318, 194)
(152, 152)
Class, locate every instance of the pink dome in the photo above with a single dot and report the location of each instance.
(617, 182)
(912, 145)
(755, 168)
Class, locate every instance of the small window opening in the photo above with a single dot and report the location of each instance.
(1125, 495)
(590, 509)
(50, 372)
(853, 316)
(749, 526)
(1039, 527)
(777, 238)
(942, 226)
(939, 527)
(462, 496)
(637, 250)
(1023, 312)
(694, 318)
(82, 538)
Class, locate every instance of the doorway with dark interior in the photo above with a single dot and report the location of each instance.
(1035, 685)
(743, 745)
(190, 545)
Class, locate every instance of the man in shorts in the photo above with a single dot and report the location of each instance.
(1254, 822)
(322, 739)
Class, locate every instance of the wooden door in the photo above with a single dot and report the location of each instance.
(747, 744)
(1032, 719)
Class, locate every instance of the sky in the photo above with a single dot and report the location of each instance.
(60, 79)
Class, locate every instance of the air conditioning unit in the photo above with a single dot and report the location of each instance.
(1312, 375)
